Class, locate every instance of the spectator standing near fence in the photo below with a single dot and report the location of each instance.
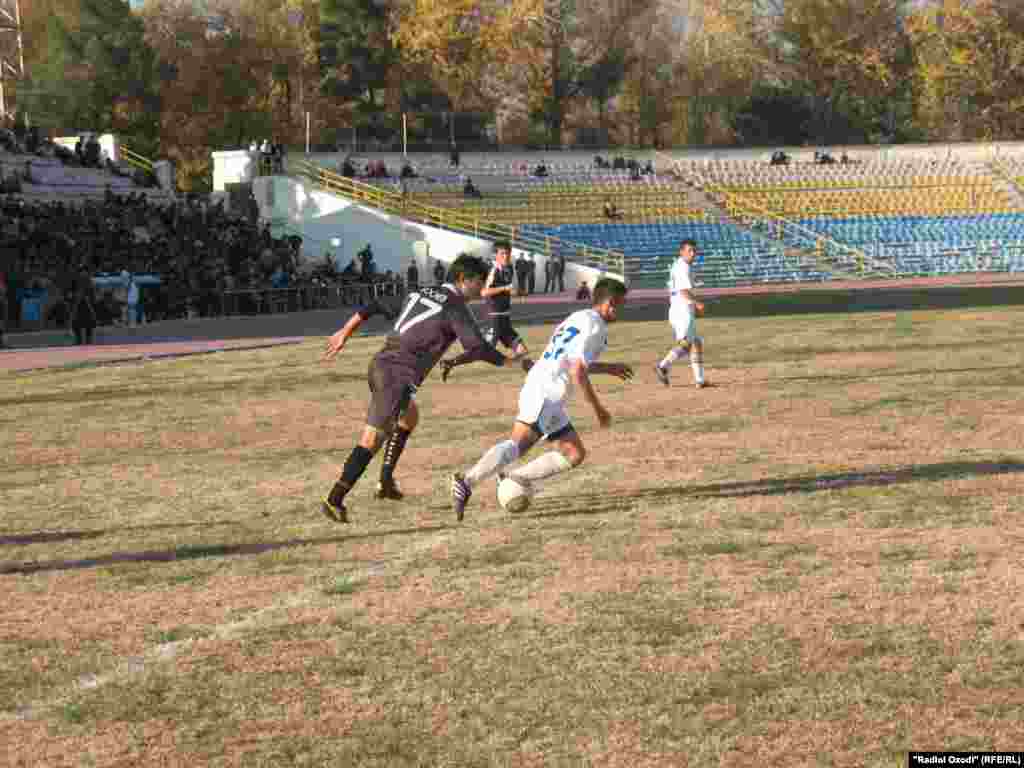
(3, 309)
(412, 276)
(83, 313)
(439, 273)
(559, 262)
(521, 266)
(549, 275)
(132, 304)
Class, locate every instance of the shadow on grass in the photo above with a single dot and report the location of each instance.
(597, 503)
(580, 504)
(47, 537)
(199, 551)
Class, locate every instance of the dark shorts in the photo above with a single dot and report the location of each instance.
(501, 330)
(392, 388)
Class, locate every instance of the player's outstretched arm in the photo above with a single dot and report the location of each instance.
(475, 346)
(618, 370)
(466, 358)
(580, 376)
(337, 342)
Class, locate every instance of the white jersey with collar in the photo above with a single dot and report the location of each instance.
(678, 281)
(583, 335)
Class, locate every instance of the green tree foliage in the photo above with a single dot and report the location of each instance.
(774, 116)
(99, 74)
(969, 73)
(840, 52)
(357, 58)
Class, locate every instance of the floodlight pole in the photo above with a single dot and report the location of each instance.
(11, 22)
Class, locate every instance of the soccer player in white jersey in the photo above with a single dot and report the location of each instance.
(567, 364)
(682, 314)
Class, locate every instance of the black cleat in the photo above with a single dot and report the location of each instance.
(527, 364)
(662, 374)
(461, 494)
(389, 491)
(335, 512)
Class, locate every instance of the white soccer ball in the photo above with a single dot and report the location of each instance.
(514, 495)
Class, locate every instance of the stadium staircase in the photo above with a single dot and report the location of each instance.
(801, 247)
(1006, 182)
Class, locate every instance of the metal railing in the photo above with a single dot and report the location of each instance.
(828, 253)
(134, 159)
(831, 254)
(611, 262)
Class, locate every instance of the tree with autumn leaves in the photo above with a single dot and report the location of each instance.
(180, 78)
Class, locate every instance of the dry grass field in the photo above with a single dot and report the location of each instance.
(817, 562)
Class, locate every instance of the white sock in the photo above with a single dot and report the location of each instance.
(673, 355)
(544, 466)
(497, 457)
(698, 369)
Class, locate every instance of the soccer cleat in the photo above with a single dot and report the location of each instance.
(389, 490)
(335, 512)
(704, 384)
(446, 369)
(461, 494)
(662, 374)
(527, 364)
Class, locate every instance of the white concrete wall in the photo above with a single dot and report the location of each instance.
(236, 166)
(320, 217)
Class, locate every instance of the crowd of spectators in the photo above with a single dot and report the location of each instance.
(189, 251)
(620, 163)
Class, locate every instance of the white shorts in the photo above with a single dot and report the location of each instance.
(684, 324)
(548, 417)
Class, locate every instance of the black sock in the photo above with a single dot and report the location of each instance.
(392, 452)
(355, 465)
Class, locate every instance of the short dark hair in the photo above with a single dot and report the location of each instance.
(606, 288)
(502, 245)
(688, 242)
(467, 267)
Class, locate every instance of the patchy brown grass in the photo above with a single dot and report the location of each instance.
(814, 562)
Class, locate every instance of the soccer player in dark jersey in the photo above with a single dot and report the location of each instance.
(429, 321)
(498, 291)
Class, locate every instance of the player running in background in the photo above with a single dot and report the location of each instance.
(430, 320)
(498, 290)
(567, 363)
(682, 315)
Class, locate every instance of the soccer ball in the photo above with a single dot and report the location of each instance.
(514, 495)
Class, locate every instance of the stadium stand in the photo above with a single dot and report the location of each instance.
(933, 245)
(903, 217)
(729, 254)
(872, 216)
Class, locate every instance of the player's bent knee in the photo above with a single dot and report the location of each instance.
(373, 437)
(409, 420)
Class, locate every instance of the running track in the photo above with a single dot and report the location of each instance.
(179, 338)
